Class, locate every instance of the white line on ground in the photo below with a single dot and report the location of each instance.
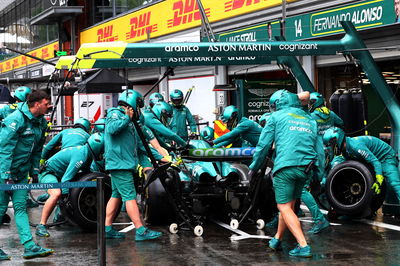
(122, 223)
(241, 235)
(365, 221)
(379, 224)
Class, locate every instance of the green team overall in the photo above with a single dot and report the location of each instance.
(67, 138)
(123, 152)
(181, 115)
(371, 150)
(240, 128)
(20, 96)
(21, 140)
(158, 120)
(71, 137)
(294, 133)
(62, 167)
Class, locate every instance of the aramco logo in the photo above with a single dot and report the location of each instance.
(222, 152)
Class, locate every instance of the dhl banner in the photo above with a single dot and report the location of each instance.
(170, 16)
(44, 52)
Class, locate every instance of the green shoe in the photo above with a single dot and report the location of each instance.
(147, 235)
(43, 197)
(303, 252)
(273, 223)
(114, 234)
(37, 251)
(5, 220)
(275, 244)
(41, 230)
(58, 217)
(31, 204)
(3, 255)
(319, 226)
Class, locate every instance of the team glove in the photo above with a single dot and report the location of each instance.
(323, 182)
(9, 181)
(139, 170)
(378, 184)
(192, 135)
(34, 178)
(251, 174)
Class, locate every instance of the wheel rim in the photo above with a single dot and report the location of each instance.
(348, 187)
(87, 203)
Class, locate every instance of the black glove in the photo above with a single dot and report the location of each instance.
(35, 179)
(251, 174)
(9, 181)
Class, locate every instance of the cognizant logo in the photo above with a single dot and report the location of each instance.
(222, 152)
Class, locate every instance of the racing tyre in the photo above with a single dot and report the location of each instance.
(158, 209)
(348, 189)
(81, 207)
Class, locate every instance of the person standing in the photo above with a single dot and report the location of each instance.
(21, 141)
(181, 115)
(123, 152)
(294, 133)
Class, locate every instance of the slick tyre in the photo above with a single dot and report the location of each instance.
(348, 189)
(82, 209)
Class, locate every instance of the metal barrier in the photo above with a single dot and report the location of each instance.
(101, 243)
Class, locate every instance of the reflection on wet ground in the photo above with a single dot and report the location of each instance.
(348, 242)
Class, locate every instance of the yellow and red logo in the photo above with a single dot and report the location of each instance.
(105, 34)
(185, 12)
(140, 25)
(236, 4)
(45, 52)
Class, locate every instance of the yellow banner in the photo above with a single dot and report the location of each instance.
(170, 16)
(44, 52)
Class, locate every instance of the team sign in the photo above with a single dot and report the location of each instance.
(221, 152)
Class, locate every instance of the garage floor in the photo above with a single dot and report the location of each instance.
(364, 242)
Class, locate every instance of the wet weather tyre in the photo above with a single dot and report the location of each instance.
(159, 210)
(83, 202)
(348, 189)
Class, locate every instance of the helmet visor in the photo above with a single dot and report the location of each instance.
(177, 101)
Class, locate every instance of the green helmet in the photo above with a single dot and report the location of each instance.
(99, 125)
(282, 99)
(316, 101)
(230, 116)
(263, 119)
(154, 98)
(207, 133)
(163, 112)
(21, 93)
(134, 99)
(82, 123)
(334, 137)
(96, 145)
(274, 99)
(176, 97)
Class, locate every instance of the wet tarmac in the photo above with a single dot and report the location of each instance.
(366, 242)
